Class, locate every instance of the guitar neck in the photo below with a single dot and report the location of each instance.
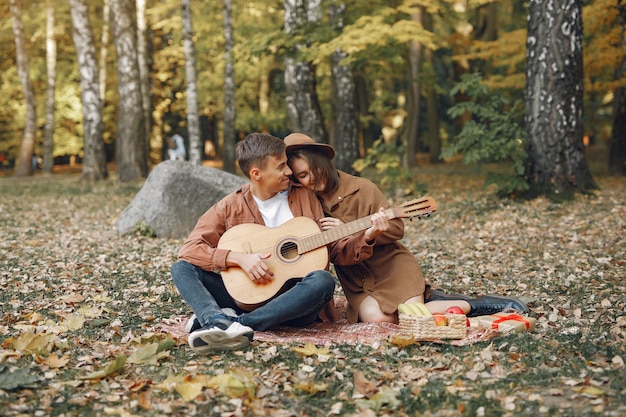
(317, 240)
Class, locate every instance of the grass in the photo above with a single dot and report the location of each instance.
(61, 259)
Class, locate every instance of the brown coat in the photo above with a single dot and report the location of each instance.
(386, 270)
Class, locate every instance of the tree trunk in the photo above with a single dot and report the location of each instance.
(434, 140)
(229, 90)
(344, 89)
(27, 146)
(130, 144)
(411, 136)
(366, 135)
(303, 106)
(554, 95)
(106, 18)
(193, 115)
(617, 148)
(144, 70)
(51, 60)
(94, 159)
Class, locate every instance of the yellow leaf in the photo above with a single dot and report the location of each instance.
(111, 368)
(590, 391)
(189, 390)
(54, 361)
(34, 343)
(73, 322)
(311, 387)
(233, 385)
(145, 354)
(401, 340)
(310, 349)
(170, 382)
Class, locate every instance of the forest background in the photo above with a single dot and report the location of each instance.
(370, 78)
(80, 304)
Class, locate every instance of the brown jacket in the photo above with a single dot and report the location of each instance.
(200, 248)
(386, 270)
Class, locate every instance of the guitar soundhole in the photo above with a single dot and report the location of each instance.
(289, 251)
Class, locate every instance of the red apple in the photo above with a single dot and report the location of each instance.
(458, 310)
(440, 319)
(455, 310)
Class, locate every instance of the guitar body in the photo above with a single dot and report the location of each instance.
(285, 262)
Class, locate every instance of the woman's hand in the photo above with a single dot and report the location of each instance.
(329, 222)
(380, 224)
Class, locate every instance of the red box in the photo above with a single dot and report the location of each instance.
(505, 322)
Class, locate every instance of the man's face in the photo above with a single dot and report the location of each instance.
(275, 175)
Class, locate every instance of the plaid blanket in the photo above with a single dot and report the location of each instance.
(328, 333)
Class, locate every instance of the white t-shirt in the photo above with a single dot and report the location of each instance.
(275, 210)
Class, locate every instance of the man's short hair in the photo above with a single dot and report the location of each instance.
(254, 149)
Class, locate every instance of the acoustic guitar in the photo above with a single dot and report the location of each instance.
(297, 247)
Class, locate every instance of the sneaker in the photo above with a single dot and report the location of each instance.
(193, 323)
(223, 335)
(485, 305)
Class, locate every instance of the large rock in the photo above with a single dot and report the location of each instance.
(174, 196)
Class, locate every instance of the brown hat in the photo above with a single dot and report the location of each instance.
(297, 141)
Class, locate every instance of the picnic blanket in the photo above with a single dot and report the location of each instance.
(327, 333)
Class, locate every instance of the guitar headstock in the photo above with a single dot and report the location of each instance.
(420, 207)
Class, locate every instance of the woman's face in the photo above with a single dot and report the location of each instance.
(303, 174)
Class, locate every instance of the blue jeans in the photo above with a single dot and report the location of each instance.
(300, 305)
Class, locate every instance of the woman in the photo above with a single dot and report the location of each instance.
(379, 272)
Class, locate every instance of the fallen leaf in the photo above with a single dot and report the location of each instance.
(53, 361)
(363, 387)
(234, 385)
(310, 349)
(111, 368)
(189, 390)
(311, 387)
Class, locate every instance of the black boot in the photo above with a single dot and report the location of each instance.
(485, 305)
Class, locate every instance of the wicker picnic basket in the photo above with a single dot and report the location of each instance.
(423, 327)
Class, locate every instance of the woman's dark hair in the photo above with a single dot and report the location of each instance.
(322, 168)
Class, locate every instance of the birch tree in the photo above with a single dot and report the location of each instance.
(554, 95)
(104, 43)
(27, 146)
(193, 114)
(303, 106)
(130, 146)
(144, 71)
(229, 90)
(94, 159)
(51, 60)
(344, 91)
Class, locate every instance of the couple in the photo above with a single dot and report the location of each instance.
(292, 178)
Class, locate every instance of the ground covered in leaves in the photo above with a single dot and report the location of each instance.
(78, 304)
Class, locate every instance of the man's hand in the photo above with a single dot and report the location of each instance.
(329, 222)
(253, 265)
(380, 224)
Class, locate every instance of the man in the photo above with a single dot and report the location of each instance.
(176, 151)
(269, 199)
